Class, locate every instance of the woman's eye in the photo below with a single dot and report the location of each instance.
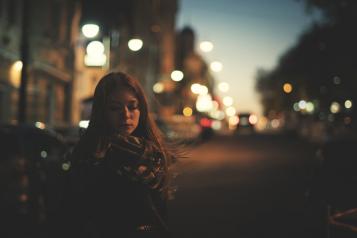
(133, 107)
(130, 107)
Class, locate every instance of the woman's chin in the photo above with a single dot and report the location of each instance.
(123, 132)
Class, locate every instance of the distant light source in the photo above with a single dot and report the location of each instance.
(217, 114)
(135, 44)
(253, 119)
(158, 87)
(215, 104)
(40, 125)
(230, 111)
(336, 80)
(177, 75)
(223, 87)
(84, 123)
(335, 107)
(195, 88)
(216, 125)
(203, 90)
(95, 48)
(216, 66)
(18, 65)
(66, 166)
(90, 30)
(227, 101)
(15, 73)
(205, 122)
(43, 154)
(348, 104)
(206, 46)
(204, 103)
(187, 111)
(275, 123)
(95, 54)
(302, 104)
(233, 120)
(310, 107)
(287, 87)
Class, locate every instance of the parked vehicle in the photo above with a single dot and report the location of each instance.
(179, 128)
(29, 183)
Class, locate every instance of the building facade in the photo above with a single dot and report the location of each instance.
(151, 21)
(58, 80)
(48, 44)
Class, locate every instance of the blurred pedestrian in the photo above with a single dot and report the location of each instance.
(118, 171)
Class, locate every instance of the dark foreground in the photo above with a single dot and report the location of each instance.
(247, 186)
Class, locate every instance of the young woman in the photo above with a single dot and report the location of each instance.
(119, 169)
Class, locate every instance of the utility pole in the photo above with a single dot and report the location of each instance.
(24, 51)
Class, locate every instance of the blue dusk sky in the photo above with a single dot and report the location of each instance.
(247, 35)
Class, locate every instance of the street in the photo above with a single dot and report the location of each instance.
(243, 186)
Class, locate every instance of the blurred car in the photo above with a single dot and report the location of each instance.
(29, 178)
(70, 134)
(179, 128)
(246, 123)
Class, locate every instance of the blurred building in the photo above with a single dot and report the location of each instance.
(49, 46)
(153, 22)
(195, 70)
(59, 82)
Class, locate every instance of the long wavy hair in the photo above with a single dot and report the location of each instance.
(96, 136)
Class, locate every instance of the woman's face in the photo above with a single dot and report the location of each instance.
(123, 111)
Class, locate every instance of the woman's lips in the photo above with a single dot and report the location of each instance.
(125, 125)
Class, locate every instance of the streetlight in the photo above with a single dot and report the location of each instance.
(206, 46)
(335, 107)
(177, 75)
(135, 44)
(90, 30)
(228, 101)
(95, 54)
(158, 87)
(216, 66)
(230, 111)
(223, 87)
(287, 87)
(348, 104)
(204, 103)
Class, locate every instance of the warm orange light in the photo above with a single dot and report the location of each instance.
(187, 111)
(287, 88)
(253, 119)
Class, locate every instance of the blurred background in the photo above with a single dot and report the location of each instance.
(227, 73)
(289, 63)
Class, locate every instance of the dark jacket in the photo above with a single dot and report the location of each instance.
(120, 194)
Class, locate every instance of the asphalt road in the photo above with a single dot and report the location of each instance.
(244, 186)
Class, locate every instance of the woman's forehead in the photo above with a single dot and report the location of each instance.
(123, 95)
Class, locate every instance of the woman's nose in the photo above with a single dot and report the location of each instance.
(126, 112)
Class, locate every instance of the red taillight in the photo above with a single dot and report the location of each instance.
(205, 122)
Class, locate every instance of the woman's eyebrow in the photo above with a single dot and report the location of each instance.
(134, 100)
